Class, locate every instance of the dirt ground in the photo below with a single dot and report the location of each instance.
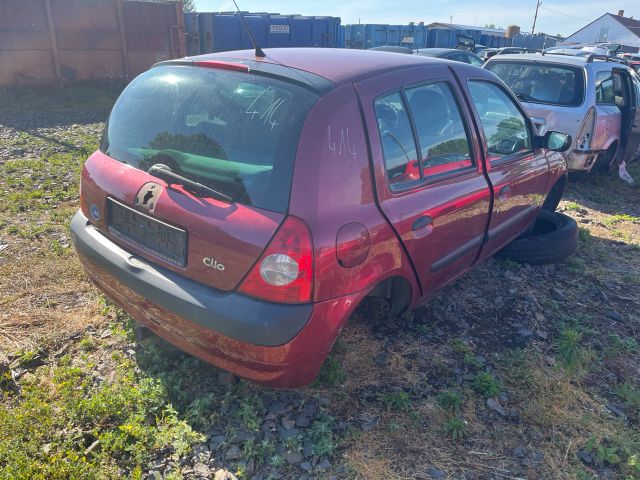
(514, 371)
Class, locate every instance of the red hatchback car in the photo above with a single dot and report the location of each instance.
(242, 208)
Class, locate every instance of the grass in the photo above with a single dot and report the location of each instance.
(456, 428)
(396, 401)
(450, 401)
(63, 425)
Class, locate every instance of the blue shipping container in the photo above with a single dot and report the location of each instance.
(221, 32)
(191, 30)
(363, 36)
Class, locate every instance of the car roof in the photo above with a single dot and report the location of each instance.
(339, 65)
(547, 58)
(572, 60)
(437, 51)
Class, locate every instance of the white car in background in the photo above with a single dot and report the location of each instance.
(595, 99)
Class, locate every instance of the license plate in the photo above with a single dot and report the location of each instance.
(147, 233)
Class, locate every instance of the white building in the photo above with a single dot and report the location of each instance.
(610, 28)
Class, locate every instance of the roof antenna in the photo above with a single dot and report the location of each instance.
(259, 52)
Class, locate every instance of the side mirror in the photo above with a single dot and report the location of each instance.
(557, 142)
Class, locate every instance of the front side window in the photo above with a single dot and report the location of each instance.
(441, 132)
(545, 83)
(396, 137)
(505, 128)
(605, 92)
(233, 131)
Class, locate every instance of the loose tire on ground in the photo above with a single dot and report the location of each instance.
(553, 238)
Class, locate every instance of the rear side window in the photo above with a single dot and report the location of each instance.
(505, 128)
(441, 132)
(235, 132)
(396, 137)
(605, 93)
(545, 83)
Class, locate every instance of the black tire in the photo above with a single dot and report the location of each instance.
(553, 238)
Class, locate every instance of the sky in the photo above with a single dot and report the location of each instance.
(554, 17)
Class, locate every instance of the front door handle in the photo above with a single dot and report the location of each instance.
(422, 222)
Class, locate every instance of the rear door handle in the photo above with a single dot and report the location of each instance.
(504, 193)
(422, 222)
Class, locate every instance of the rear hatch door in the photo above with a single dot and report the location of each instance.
(223, 130)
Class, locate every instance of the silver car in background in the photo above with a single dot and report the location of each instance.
(595, 99)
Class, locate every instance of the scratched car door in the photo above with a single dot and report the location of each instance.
(428, 175)
(517, 172)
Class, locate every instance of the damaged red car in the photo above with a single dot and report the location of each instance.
(242, 208)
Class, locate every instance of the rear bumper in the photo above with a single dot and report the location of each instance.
(280, 345)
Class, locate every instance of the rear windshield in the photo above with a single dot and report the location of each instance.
(542, 82)
(235, 132)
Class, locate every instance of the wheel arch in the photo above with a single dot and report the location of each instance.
(397, 290)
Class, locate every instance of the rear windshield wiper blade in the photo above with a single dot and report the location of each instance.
(161, 170)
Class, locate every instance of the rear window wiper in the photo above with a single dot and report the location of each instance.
(162, 171)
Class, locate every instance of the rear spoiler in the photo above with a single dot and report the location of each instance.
(308, 80)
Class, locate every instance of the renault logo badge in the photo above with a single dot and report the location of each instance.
(148, 195)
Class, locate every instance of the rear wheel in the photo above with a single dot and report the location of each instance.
(553, 238)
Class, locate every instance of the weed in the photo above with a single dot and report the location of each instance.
(398, 401)
(516, 368)
(572, 353)
(113, 413)
(294, 443)
(471, 360)
(249, 411)
(487, 385)
(629, 395)
(460, 346)
(25, 357)
(201, 411)
(424, 328)
(331, 373)
(393, 426)
(450, 401)
(621, 345)
(572, 206)
(276, 461)
(569, 346)
(619, 218)
(86, 344)
(320, 434)
(585, 236)
(456, 428)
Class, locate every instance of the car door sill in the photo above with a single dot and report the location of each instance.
(456, 254)
(494, 232)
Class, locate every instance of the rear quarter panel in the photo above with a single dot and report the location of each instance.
(332, 187)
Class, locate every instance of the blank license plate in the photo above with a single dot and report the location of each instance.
(148, 233)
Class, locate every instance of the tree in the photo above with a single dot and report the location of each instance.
(188, 5)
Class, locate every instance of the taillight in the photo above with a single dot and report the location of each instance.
(284, 272)
(586, 130)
